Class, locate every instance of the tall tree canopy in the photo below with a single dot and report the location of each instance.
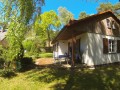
(109, 6)
(83, 15)
(25, 9)
(45, 23)
(64, 15)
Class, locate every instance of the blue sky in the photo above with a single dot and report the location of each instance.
(75, 6)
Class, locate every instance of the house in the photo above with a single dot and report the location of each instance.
(94, 40)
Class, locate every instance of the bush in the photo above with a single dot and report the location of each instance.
(7, 73)
(26, 63)
(1, 62)
(28, 44)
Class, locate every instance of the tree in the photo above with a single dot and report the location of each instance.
(15, 36)
(109, 6)
(25, 9)
(18, 15)
(83, 15)
(117, 10)
(105, 7)
(64, 15)
(45, 23)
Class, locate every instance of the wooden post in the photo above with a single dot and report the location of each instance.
(73, 50)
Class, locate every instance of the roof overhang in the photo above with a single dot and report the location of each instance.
(71, 29)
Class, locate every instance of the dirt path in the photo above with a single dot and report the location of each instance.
(44, 61)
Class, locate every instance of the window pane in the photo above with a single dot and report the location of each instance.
(112, 46)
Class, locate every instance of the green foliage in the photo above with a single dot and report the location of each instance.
(109, 6)
(64, 15)
(45, 24)
(2, 58)
(17, 14)
(53, 33)
(23, 8)
(7, 73)
(32, 46)
(83, 15)
(105, 7)
(2, 62)
(27, 44)
(46, 55)
(15, 36)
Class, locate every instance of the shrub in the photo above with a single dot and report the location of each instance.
(7, 73)
(1, 62)
(26, 63)
(27, 44)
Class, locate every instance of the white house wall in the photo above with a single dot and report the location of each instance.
(94, 53)
(83, 45)
(55, 53)
(62, 47)
(91, 49)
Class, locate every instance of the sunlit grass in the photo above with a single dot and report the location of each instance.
(46, 55)
(102, 78)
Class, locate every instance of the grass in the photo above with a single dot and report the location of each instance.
(46, 55)
(39, 55)
(102, 78)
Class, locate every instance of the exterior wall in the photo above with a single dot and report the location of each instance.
(94, 53)
(61, 49)
(55, 50)
(83, 45)
(100, 26)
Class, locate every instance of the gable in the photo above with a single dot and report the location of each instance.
(94, 24)
(106, 25)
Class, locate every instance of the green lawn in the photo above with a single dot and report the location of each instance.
(46, 55)
(106, 78)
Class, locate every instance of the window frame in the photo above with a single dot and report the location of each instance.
(112, 46)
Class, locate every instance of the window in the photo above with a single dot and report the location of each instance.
(108, 23)
(111, 46)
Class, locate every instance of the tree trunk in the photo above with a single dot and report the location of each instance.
(19, 57)
(48, 33)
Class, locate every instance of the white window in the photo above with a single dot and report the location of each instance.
(112, 46)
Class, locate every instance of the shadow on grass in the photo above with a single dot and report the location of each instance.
(7, 74)
(101, 78)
